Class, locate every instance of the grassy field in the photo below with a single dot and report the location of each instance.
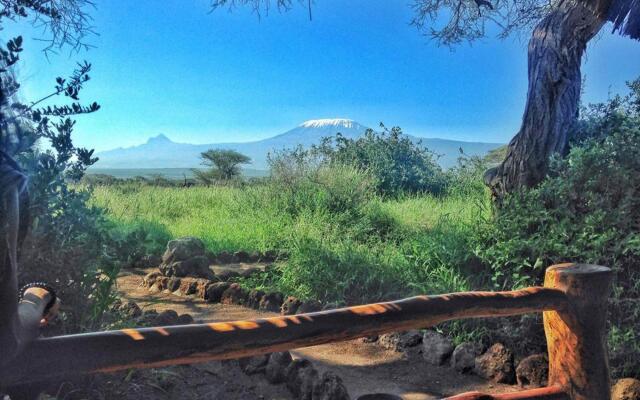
(168, 173)
(367, 250)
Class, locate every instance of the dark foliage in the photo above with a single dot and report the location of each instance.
(69, 243)
(397, 163)
(587, 210)
(450, 22)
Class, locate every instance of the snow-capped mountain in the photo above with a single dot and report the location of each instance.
(162, 152)
(312, 131)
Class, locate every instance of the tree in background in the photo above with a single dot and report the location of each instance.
(224, 165)
(561, 31)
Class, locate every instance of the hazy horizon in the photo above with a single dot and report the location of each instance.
(200, 77)
(144, 140)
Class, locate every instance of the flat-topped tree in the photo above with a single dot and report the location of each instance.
(224, 165)
(560, 29)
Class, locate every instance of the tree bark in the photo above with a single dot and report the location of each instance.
(555, 54)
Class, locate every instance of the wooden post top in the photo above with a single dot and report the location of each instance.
(576, 336)
(582, 269)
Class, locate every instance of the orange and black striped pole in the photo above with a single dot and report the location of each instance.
(57, 357)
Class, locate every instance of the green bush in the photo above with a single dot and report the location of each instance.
(588, 211)
(399, 164)
(336, 189)
(68, 242)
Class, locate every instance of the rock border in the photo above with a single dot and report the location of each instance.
(299, 375)
(227, 292)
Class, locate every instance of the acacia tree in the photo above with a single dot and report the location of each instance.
(560, 29)
(224, 165)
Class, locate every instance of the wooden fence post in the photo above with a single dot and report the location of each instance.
(576, 336)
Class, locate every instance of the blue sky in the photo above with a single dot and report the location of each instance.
(205, 77)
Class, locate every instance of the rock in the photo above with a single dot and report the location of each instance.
(214, 291)
(289, 306)
(330, 387)
(201, 289)
(242, 256)
(182, 249)
(463, 358)
(211, 256)
(309, 306)
(436, 348)
(149, 261)
(277, 365)
(162, 283)
(196, 267)
(308, 378)
(254, 365)
(166, 318)
(269, 256)
(227, 275)
(184, 319)
(225, 257)
(626, 389)
(199, 267)
(370, 339)
(155, 288)
(533, 371)
(188, 287)
(293, 377)
(400, 341)
(147, 318)
(174, 268)
(254, 257)
(185, 257)
(129, 309)
(496, 364)
(271, 302)
(254, 297)
(150, 313)
(173, 284)
(151, 278)
(234, 295)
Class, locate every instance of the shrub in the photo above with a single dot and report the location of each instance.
(299, 183)
(399, 164)
(68, 243)
(587, 210)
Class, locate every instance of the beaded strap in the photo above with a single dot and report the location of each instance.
(41, 285)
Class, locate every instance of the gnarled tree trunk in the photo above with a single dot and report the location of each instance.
(555, 54)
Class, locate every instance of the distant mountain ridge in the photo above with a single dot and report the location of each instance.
(161, 152)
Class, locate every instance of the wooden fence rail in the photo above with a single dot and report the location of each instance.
(573, 301)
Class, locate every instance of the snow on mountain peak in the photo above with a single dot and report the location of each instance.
(328, 122)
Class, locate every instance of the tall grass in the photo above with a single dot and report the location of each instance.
(343, 243)
(225, 218)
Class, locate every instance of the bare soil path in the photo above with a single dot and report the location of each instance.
(364, 367)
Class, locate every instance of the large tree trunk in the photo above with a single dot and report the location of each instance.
(555, 54)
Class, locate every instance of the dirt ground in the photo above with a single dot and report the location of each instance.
(364, 367)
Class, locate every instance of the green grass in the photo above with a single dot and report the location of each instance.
(343, 244)
(224, 218)
(168, 173)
